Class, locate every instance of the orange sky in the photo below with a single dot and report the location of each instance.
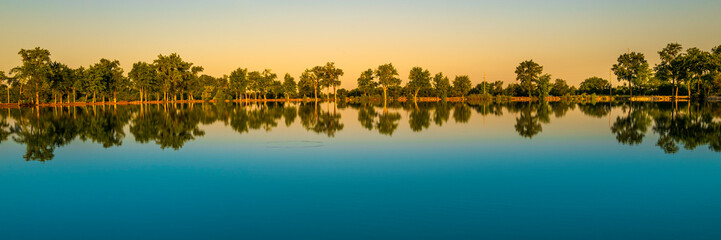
(573, 40)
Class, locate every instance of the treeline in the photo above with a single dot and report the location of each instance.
(39, 79)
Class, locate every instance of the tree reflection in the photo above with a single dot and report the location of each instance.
(631, 129)
(530, 117)
(43, 130)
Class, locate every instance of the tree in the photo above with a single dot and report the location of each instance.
(144, 78)
(330, 77)
(671, 67)
(254, 79)
(594, 85)
(387, 77)
(289, 86)
(633, 68)
(266, 82)
(560, 88)
(461, 85)
(527, 73)
(699, 65)
(366, 82)
(544, 86)
(441, 85)
(173, 74)
(105, 77)
(305, 83)
(419, 78)
(239, 81)
(34, 70)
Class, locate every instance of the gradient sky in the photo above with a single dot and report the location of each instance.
(573, 40)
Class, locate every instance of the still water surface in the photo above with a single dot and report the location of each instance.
(361, 171)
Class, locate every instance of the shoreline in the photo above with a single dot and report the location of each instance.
(402, 99)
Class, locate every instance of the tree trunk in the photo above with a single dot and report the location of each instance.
(93, 96)
(385, 95)
(415, 96)
(115, 96)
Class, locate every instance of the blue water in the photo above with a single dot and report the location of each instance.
(472, 179)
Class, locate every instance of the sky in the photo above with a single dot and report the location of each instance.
(573, 40)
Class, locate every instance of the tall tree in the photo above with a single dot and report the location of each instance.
(633, 68)
(544, 86)
(239, 81)
(105, 77)
(527, 73)
(441, 85)
(671, 67)
(289, 86)
(387, 77)
(173, 74)
(366, 82)
(34, 70)
(331, 76)
(461, 85)
(267, 81)
(419, 78)
(699, 65)
(144, 78)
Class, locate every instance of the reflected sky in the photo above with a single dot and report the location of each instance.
(357, 171)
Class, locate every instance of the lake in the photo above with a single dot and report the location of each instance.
(512, 170)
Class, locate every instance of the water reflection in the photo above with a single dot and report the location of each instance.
(42, 130)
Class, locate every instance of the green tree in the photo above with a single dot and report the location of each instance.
(239, 81)
(34, 70)
(698, 64)
(560, 88)
(441, 85)
(144, 78)
(594, 85)
(330, 78)
(387, 77)
(544, 86)
(633, 68)
(366, 82)
(527, 73)
(418, 79)
(173, 74)
(266, 82)
(461, 85)
(671, 67)
(254, 82)
(289, 86)
(105, 77)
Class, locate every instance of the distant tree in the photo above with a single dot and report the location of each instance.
(544, 85)
(105, 77)
(633, 68)
(418, 79)
(442, 85)
(671, 68)
(387, 77)
(239, 81)
(560, 88)
(594, 85)
(34, 70)
(144, 78)
(306, 83)
(698, 64)
(330, 77)
(461, 85)
(173, 74)
(366, 82)
(527, 73)
(254, 82)
(289, 86)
